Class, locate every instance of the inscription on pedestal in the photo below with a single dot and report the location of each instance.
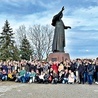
(58, 56)
(53, 59)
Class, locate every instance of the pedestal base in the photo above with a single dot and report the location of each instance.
(58, 56)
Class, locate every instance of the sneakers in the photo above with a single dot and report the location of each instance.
(96, 82)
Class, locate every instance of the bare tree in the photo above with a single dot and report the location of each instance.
(21, 35)
(49, 39)
(21, 31)
(41, 37)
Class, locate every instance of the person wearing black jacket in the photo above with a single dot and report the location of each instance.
(81, 70)
(55, 78)
(65, 76)
(96, 71)
(85, 71)
(90, 71)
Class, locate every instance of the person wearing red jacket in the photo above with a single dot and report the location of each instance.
(55, 67)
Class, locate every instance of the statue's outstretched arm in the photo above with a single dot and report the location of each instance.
(67, 27)
(61, 11)
(57, 17)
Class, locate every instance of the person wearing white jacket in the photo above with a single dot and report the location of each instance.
(71, 77)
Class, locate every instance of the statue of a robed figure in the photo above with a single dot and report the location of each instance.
(59, 39)
(59, 34)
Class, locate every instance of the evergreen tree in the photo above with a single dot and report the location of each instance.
(7, 48)
(25, 49)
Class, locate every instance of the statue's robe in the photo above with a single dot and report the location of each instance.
(59, 37)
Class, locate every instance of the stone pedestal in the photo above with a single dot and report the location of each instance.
(58, 56)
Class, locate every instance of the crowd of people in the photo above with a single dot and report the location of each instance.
(81, 71)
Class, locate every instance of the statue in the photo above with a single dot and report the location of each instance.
(59, 39)
(59, 34)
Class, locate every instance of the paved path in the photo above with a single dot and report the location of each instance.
(18, 90)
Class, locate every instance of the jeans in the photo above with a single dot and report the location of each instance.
(54, 81)
(4, 77)
(90, 79)
(65, 80)
(85, 77)
(97, 76)
(22, 79)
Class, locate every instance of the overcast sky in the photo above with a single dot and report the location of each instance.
(81, 15)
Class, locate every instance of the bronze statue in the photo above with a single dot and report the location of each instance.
(59, 34)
